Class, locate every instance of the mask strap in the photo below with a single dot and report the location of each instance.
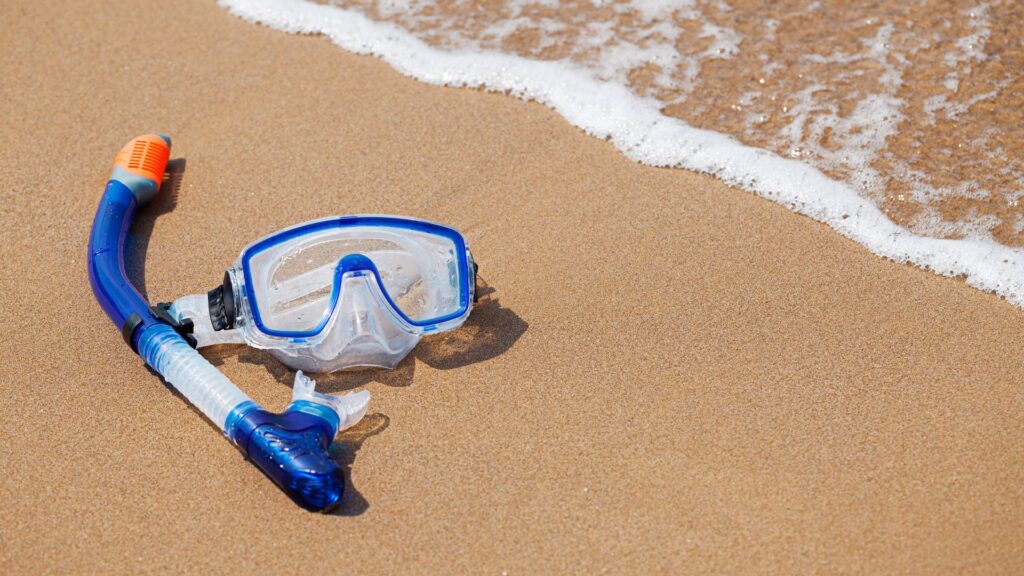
(195, 308)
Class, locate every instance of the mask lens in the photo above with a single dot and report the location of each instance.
(294, 282)
(422, 279)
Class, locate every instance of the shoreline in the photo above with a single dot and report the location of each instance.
(665, 374)
(642, 132)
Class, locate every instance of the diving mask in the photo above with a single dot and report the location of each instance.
(340, 293)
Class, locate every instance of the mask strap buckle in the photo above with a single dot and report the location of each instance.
(183, 327)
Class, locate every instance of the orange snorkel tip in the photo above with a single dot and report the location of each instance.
(141, 163)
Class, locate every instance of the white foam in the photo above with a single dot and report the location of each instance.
(608, 109)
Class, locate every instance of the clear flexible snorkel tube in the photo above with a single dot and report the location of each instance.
(291, 448)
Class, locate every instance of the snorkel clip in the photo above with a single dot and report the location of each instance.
(184, 327)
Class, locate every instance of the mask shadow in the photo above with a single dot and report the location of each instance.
(490, 330)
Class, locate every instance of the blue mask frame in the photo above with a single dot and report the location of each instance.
(360, 264)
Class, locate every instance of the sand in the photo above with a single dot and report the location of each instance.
(664, 375)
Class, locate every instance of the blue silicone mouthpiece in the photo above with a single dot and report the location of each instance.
(292, 450)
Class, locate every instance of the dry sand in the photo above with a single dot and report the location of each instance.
(665, 375)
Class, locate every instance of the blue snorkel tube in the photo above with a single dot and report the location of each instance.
(291, 448)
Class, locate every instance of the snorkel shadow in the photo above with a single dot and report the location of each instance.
(137, 247)
(145, 221)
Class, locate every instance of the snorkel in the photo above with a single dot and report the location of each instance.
(291, 448)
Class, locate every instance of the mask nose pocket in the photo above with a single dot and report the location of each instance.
(356, 307)
(361, 332)
(359, 302)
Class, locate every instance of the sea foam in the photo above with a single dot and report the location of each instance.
(598, 100)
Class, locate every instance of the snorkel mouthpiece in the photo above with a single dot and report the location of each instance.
(290, 448)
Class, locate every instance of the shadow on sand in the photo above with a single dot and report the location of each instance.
(490, 330)
(145, 220)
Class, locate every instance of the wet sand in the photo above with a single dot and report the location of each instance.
(664, 375)
(912, 103)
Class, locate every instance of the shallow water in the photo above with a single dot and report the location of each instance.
(913, 103)
(913, 107)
